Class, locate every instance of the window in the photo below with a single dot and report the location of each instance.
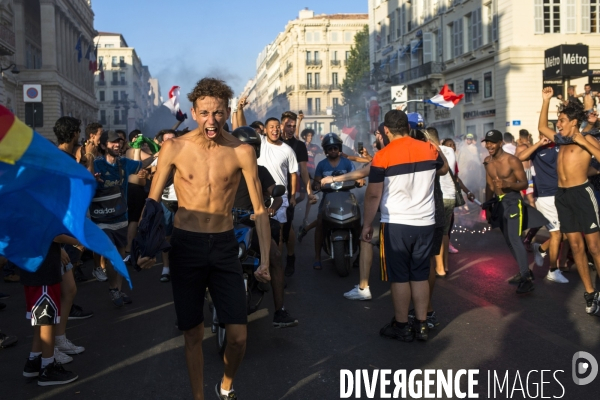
(488, 127)
(398, 23)
(392, 34)
(487, 85)
(317, 106)
(308, 80)
(122, 78)
(122, 61)
(102, 97)
(457, 37)
(590, 19)
(334, 80)
(347, 55)
(308, 57)
(348, 37)
(317, 37)
(109, 45)
(384, 38)
(309, 106)
(103, 117)
(100, 60)
(309, 37)
(115, 95)
(409, 19)
(469, 43)
(123, 116)
(335, 56)
(489, 21)
(115, 77)
(316, 56)
(551, 16)
(334, 36)
(116, 117)
(123, 95)
(476, 29)
(317, 80)
(335, 102)
(319, 127)
(114, 61)
(472, 129)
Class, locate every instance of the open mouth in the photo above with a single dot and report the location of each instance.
(211, 133)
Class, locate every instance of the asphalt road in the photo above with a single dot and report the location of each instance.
(137, 353)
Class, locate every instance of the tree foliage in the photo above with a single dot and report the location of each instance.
(357, 72)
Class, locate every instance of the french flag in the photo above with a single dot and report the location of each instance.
(446, 98)
(173, 104)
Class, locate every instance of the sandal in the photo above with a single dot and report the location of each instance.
(317, 265)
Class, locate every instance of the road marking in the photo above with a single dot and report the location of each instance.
(302, 382)
(469, 265)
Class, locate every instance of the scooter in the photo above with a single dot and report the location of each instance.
(341, 224)
(250, 259)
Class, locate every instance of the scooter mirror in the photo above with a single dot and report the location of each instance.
(278, 191)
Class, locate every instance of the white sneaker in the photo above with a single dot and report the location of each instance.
(67, 347)
(556, 276)
(358, 294)
(452, 249)
(61, 357)
(100, 274)
(537, 256)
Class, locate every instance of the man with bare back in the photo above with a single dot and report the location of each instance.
(505, 178)
(208, 164)
(575, 201)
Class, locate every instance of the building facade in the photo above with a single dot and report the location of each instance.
(491, 50)
(40, 38)
(126, 92)
(303, 68)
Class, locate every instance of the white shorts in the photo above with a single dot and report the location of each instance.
(281, 214)
(546, 206)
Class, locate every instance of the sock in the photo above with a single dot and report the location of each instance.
(541, 251)
(430, 313)
(33, 355)
(47, 361)
(166, 270)
(60, 339)
(223, 391)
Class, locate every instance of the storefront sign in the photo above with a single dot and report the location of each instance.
(441, 113)
(516, 123)
(479, 114)
(566, 60)
(471, 86)
(556, 84)
(594, 79)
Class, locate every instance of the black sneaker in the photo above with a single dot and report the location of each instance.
(591, 302)
(422, 331)
(230, 396)
(282, 319)
(7, 341)
(392, 331)
(525, 286)
(290, 267)
(78, 313)
(432, 320)
(515, 280)
(55, 374)
(33, 367)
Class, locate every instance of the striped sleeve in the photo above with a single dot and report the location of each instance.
(377, 173)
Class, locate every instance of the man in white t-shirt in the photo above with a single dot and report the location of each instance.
(280, 160)
(509, 143)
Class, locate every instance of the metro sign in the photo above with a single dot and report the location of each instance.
(566, 60)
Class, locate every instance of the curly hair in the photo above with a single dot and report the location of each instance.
(574, 110)
(91, 129)
(305, 133)
(211, 87)
(66, 128)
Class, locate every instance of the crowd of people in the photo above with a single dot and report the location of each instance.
(193, 180)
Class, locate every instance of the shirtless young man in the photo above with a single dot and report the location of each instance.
(208, 164)
(575, 202)
(588, 98)
(522, 145)
(505, 177)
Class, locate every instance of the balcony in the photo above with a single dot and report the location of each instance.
(314, 86)
(7, 41)
(314, 63)
(289, 89)
(123, 82)
(335, 86)
(288, 68)
(101, 83)
(418, 73)
(316, 112)
(115, 83)
(336, 63)
(122, 64)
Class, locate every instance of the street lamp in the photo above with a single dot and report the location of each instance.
(14, 70)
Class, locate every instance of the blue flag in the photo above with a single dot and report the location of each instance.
(78, 48)
(44, 193)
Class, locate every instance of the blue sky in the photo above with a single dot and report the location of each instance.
(184, 40)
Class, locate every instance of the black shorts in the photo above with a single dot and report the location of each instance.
(577, 209)
(275, 234)
(136, 199)
(201, 260)
(438, 239)
(289, 212)
(118, 237)
(404, 252)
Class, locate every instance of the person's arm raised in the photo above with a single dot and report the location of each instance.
(350, 176)
(248, 164)
(524, 153)
(589, 143)
(547, 94)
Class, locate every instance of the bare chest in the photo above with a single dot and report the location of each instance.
(498, 169)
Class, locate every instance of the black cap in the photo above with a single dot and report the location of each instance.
(493, 136)
(109, 136)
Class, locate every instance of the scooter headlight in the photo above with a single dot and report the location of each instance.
(337, 185)
(241, 250)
